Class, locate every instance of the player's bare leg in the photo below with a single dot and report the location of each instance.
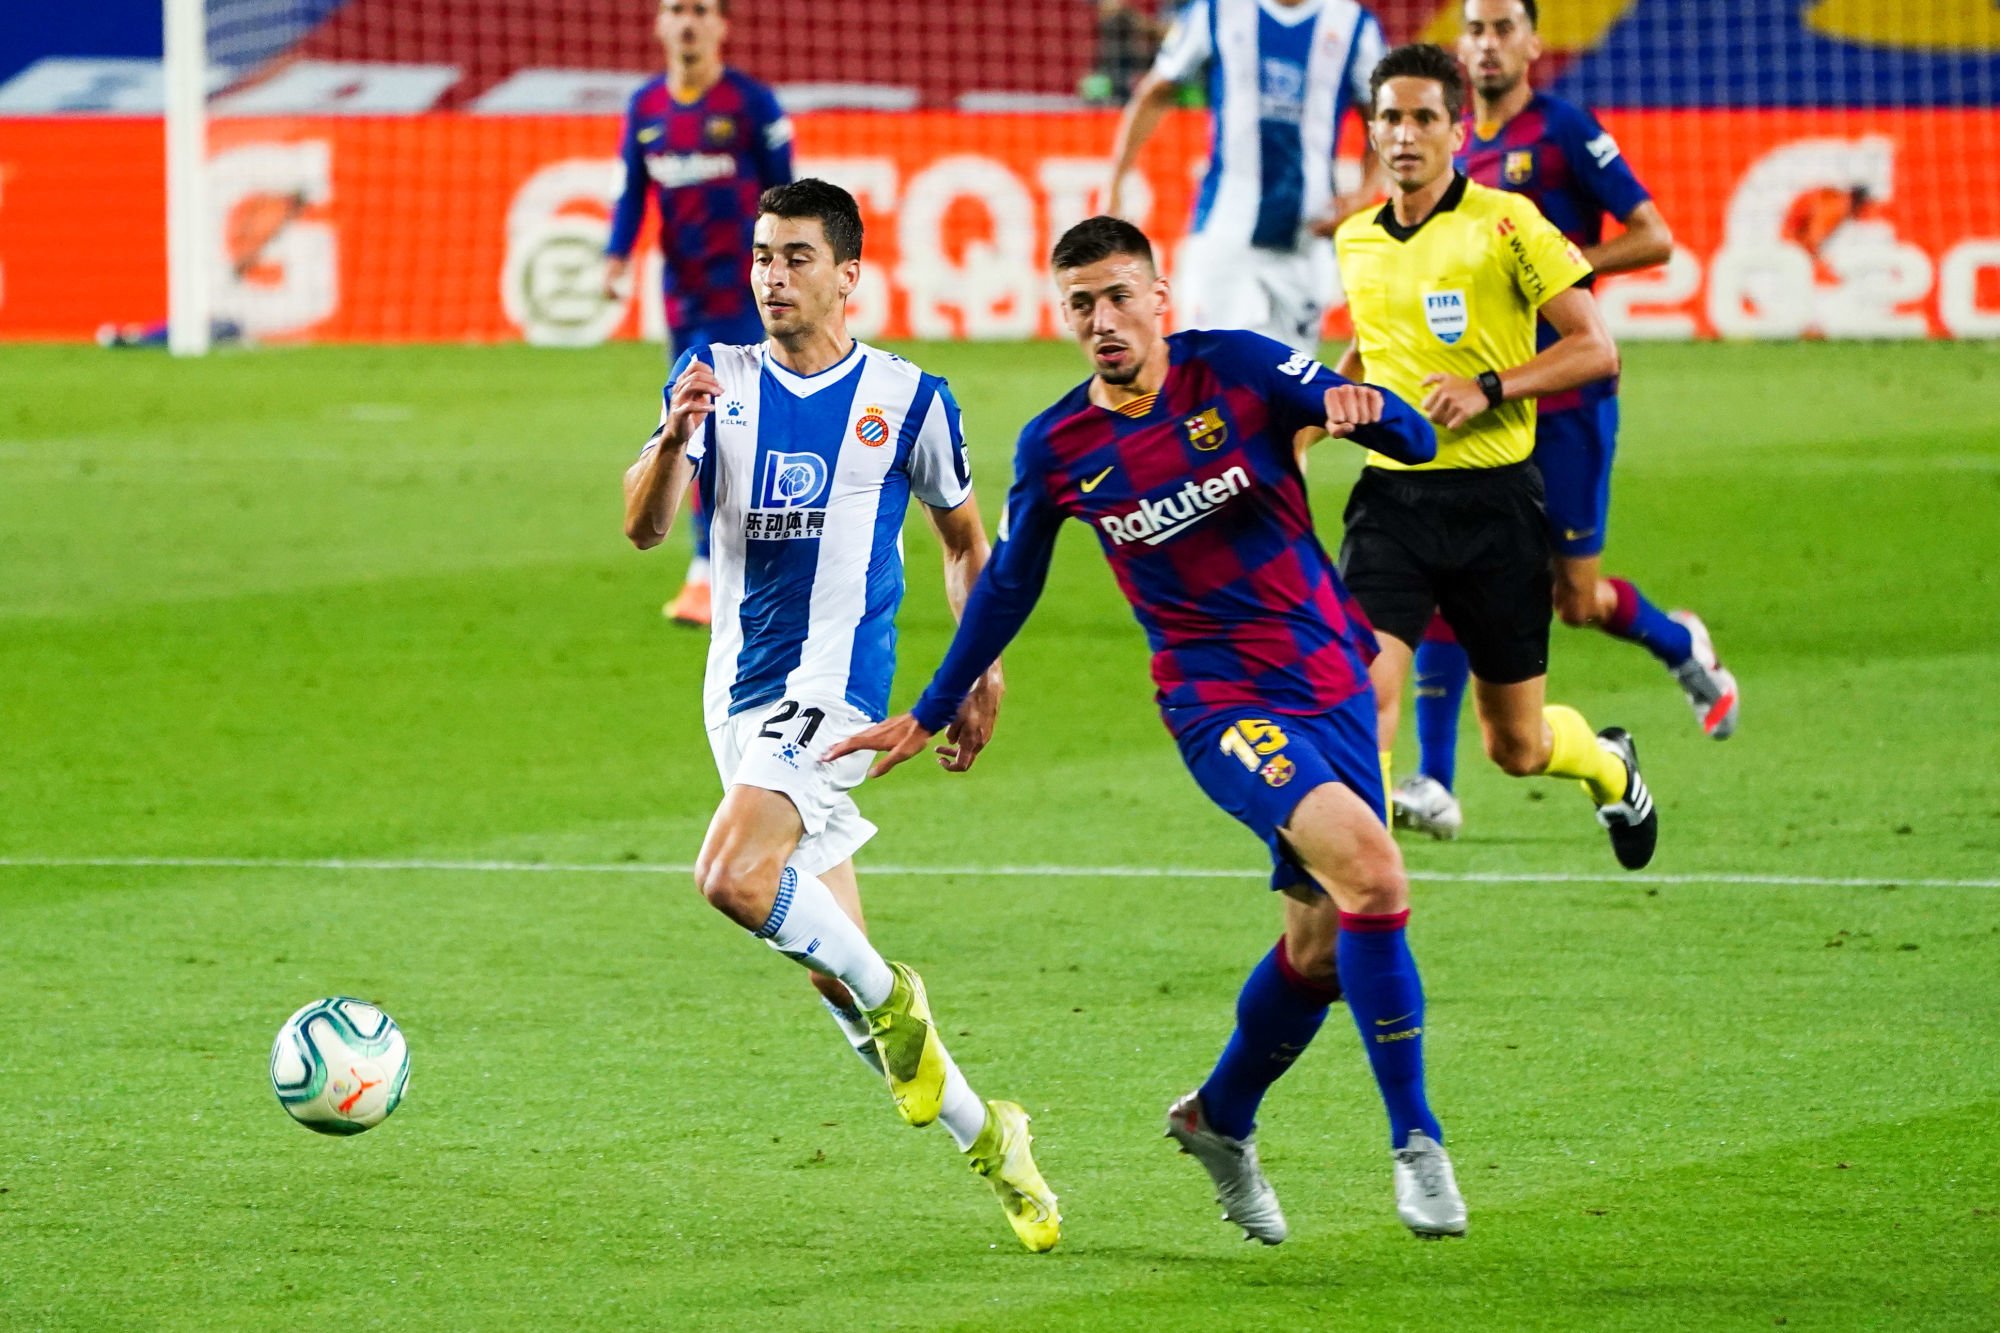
(744, 870)
(1584, 597)
(1529, 737)
(1342, 930)
(839, 1001)
(1351, 934)
(994, 1135)
(1389, 675)
(1418, 803)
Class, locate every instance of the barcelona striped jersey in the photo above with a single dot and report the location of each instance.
(1558, 155)
(705, 163)
(1199, 505)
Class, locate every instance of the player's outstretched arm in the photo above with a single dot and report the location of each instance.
(1150, 99)
(962, 534)
(655, 484)
(627, 211)
(1646, 241)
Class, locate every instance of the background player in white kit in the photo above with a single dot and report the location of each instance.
(806, 449)
(1281, 77)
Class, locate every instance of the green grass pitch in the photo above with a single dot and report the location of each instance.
(295, 607)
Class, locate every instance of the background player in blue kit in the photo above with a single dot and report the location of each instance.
(1182, 454)
(1557, 154)
(704, 141)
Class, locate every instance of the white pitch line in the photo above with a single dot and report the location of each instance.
(1016, 872)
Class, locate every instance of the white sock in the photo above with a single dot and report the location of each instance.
(697, 570)
(963, 1114)
(855, 1028)
(807, 926)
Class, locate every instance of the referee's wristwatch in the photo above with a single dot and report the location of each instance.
(1489, 384)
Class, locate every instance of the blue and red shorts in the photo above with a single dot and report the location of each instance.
(1258, 764)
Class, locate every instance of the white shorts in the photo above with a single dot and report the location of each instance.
(776, 747)
(1282, 294)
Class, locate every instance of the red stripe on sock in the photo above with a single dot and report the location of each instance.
(1626, 613)
(1439, 630)
(1300, 982)
(1362, 923)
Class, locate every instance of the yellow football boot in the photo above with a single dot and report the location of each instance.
(1001, 1154)
(912, 1056)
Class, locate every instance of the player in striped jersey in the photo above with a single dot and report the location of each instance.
(1281, 76)
(807, 449)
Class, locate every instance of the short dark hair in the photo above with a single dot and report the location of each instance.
(1100, 238)
(834, 208)
(1421, 60)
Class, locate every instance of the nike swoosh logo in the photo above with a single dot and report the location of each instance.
(651, 132)
(1391, 1022)
(1098, 480)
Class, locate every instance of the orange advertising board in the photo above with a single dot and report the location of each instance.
(464, 227)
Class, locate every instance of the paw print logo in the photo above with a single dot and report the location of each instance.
(732, 412)
(790, 752)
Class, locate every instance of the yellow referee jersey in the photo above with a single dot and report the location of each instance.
(1455, 295)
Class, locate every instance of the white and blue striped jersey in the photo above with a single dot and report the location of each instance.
(1280, 81)
(806, 479)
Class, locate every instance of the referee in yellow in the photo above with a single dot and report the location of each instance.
(1444, 283)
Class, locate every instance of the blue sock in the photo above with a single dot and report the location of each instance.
(1442, 671)
(1277, 1014)
(1380, 978)
(1639, 621)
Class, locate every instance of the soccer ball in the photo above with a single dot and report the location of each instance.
(339, 1066)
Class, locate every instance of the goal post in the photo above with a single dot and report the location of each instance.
(189, 298)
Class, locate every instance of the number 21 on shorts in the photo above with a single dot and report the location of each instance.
(773, 728)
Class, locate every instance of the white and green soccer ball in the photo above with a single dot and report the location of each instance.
(339, 1066)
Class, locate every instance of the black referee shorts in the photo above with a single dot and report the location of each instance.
(1471, 543)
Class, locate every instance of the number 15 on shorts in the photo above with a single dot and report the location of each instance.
(1249, 740)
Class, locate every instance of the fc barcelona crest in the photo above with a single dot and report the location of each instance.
(1206, 430)
(720, 131)
(1519, 166)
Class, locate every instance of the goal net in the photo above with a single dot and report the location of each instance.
(389, 170)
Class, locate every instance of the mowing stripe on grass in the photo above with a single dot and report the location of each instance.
(1042, 872)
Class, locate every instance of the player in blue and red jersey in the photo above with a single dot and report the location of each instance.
(707, 140)
(1182, 454)
(1558, 154)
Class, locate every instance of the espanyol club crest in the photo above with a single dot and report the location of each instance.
(873, 428)
(1518, 166)
(1444, 312)
(1206, 430)
(792, 481)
